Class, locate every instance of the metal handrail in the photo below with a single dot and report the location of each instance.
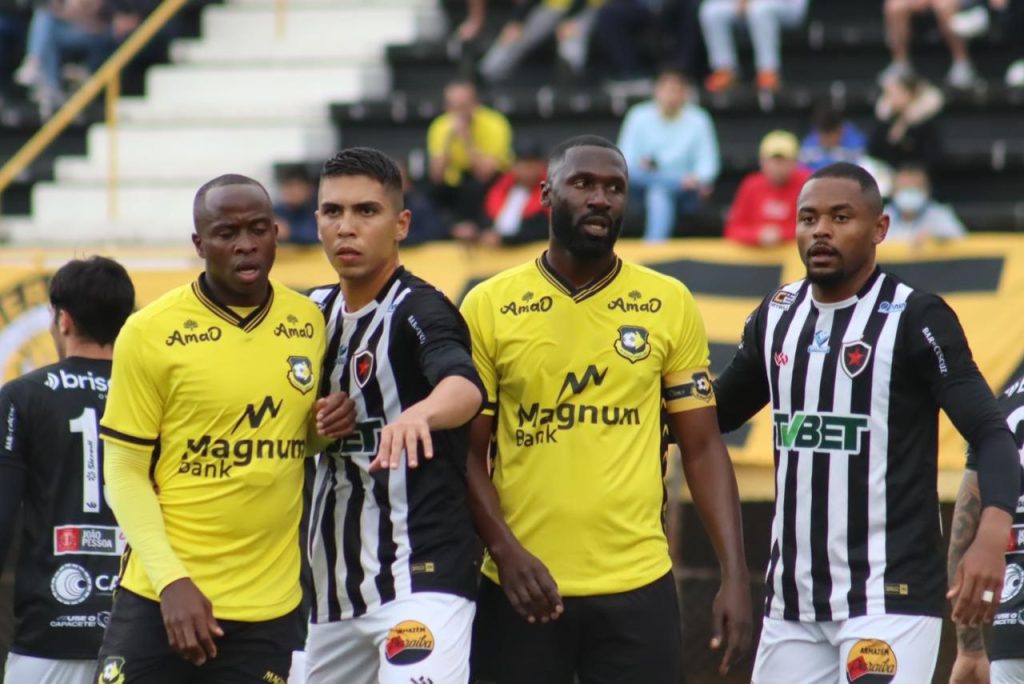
(107, 76)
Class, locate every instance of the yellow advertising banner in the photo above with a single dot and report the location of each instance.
(982, 278)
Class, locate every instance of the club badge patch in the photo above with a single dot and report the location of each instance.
(855, 357)
(362, 367)
(633, 344)
(300, 373)
(113, 671)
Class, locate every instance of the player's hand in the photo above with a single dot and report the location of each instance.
(405, 434)
(529, 586)
(188, 619)
(970, 668)
(335, 415)
(732, 621)
(981, 570)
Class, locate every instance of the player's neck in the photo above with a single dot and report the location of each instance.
(359, 292)
(846, 289)
(577, 272)
(87, 349)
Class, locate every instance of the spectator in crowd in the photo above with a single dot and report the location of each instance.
(914, 215)
(91, 27)
(512, 209)
(764, 20)
(763, 212)
(973, 20)
(898, 15)
(571, 22)
(426, 224)
(833, 139)
(672, 152)
(469, 146)
(625, 27)
(473, 24)
(907, 130)
(295, 209)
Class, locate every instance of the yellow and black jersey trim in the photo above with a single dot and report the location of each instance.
(126, 438)
(688, 390)
(580, 294)
(248, 323)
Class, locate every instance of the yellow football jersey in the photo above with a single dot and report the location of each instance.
(577, 379)
(225, 402)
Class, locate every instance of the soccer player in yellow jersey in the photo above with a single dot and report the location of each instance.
(579, 352)
(212, 396)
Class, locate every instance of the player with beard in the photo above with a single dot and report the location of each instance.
(855, 365)
(578, 352)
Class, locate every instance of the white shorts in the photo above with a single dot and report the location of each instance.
(424, 637)
(22, 668)
(1009, 671)
(903, 647)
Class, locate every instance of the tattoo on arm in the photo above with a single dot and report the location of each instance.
(966, 515)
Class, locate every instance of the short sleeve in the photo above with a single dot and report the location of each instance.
(686, 382)
(481, 333)
(440, 337)
(134, 409)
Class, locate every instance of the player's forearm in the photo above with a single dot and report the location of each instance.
(998, 471)
(137, 509)
(484, 505)
(451, 404)
(712, 483)
(966, 517)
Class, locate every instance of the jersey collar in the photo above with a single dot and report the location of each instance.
(577, 294)
(249, 323)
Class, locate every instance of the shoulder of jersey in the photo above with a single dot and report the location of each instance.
(291, 297)
(499, 279)
(166, 301)
(634, 270)
(33, 378)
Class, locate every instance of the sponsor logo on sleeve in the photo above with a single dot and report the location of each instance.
(113, 671)
(939, 356)
(1013, 580)
(408, 642)
(783, 299)
(88, 540)
(871, 661)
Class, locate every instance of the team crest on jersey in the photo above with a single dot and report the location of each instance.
(871, 661)
(408, 642)
(362, 367)
(855, 357)
(300, 373)
(633, 344)
(113, 671)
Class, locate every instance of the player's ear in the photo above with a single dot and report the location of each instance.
(881, 228)
(404, 220)
(545, 194)
(65, 323)
(197, 242)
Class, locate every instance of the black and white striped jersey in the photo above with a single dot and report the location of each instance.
(1008, 624)
(855, 388)
(378, 536)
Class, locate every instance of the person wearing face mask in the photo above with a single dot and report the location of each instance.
(914, 215)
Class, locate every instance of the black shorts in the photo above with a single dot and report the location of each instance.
(624, 638)
(135, 648)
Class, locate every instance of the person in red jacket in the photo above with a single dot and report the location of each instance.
(763, 212)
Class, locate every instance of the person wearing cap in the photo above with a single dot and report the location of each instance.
(763, 213)
(672, 153)
(512, 212)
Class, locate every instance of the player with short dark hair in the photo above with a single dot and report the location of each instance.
(578, 352)
(856, 364)
(392, 547)
(209, 421)
(1006, 649)
(51, 467)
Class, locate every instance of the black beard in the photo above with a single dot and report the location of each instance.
(826, 280)
(572, 237)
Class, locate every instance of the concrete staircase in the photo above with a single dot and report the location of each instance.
(234, 101)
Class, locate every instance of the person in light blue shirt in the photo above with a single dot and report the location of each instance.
(672, 152)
